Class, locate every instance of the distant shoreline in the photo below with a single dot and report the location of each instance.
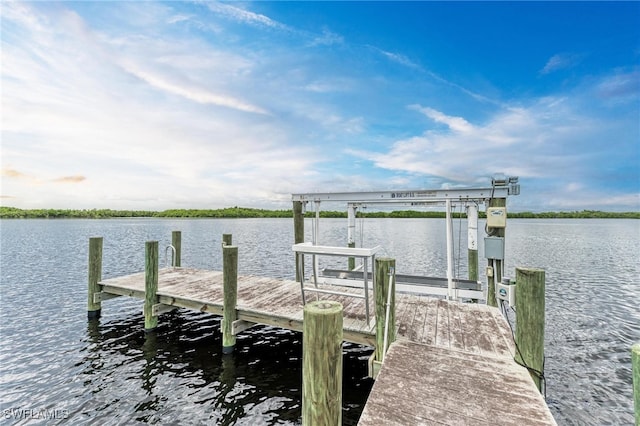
(245, 212)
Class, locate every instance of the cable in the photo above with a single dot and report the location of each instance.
(539, 374)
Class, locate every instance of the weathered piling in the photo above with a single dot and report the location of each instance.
(298, 232)
(176, 242)
(230, 288)
(150, 285)
(530, 294)
(385, 293)
(227, 239)
(95, 276)
(322, 363)
(635, 362)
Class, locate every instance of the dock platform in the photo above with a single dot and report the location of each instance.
(452, 362)
(426, 385)
(473, 328)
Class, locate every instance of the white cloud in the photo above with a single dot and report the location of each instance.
(456, 124)
(561, 61)
(518, 141)
(244, 16)
(327, 38)
(190, 91)
(623, 86)
(138, 118)
(399, 58)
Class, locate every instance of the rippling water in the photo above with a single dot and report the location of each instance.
(110, 372)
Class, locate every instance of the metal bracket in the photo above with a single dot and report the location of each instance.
(238, 326)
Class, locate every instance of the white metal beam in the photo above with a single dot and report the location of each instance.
(404, 196)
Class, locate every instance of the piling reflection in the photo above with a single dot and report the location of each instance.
(179, 374)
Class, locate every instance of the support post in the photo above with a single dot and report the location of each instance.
(451, 291)
(298, 232)
(635, 361)
(227, 239)
(351, 233)
(176, 242)
(322, 363)
(530, 293)
(472, 241)
(491, 284)
(230, 288)
(94, 277)
(497, 263)
(384, 267)
(150, 285)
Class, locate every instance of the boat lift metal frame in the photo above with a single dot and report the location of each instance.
(501, 187)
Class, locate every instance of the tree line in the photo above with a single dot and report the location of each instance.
(247, 212)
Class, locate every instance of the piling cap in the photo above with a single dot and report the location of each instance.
(323, 307)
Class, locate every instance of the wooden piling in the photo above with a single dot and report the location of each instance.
(530, 294)
(230, 288)
(491, 284)
(384, 266)
(150, 285)
(322, 363)
(94, 277)
(298, 232)
(176, 242)
(227, 239)
(635, 361)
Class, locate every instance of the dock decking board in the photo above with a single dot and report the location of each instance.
(452, 362)
(443, 386)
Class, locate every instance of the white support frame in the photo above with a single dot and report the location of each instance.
(501, 187)
(316, 250)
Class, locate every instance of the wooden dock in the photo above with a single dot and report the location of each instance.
(426, 385)
(452, 362)
(473, 328)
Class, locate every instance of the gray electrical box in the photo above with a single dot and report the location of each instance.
(494, 248)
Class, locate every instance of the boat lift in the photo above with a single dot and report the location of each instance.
(501, 187)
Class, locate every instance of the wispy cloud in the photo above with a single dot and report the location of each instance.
(11, 173)
(620, 86)
(398, 58)
(191, 91)
(327, 38)
(244, 16)
(70, 179)
(456, 124)
(561, 61)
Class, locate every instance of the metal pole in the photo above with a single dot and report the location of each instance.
(450, 292)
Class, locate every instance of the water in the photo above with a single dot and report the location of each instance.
(109, 372)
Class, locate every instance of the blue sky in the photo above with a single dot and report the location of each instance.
(151, 105)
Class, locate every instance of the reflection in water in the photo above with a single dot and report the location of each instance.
(179, 374)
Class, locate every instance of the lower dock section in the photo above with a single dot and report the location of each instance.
(424, 385)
